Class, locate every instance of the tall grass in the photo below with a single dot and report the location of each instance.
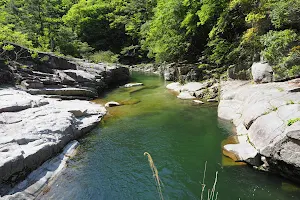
(211, 193)
(155, 175)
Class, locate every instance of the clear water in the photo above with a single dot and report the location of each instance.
(180, 137)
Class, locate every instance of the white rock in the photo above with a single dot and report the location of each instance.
(112, 104)
(198, 102)
(185, 96)
(192, 87)
(212, 100)
(174, 86)
(133, 85)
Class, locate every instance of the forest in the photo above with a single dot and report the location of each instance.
(214, 34)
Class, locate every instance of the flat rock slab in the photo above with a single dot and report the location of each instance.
(33, 129)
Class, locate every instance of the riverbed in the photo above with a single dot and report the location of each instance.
(179, 135)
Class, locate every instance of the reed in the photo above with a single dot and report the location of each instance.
(155, 175)
(211, 193)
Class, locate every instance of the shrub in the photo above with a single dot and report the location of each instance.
(277, 45)
(104, 56)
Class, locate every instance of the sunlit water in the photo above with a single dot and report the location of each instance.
(180, 137)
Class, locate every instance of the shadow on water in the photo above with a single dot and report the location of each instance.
(180, 137)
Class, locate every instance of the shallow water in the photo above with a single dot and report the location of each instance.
(180, 136)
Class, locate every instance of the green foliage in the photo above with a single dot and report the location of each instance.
(164, 38)
(104, 56)
(8, 47)
(277, 44)
(285, 12)
(292, 121)
(222, 33)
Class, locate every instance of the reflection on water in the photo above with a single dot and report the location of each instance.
(179, 135)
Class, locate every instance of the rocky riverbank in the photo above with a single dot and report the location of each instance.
(267, 120)
(34, 129)
(38, 113)
(55, 76)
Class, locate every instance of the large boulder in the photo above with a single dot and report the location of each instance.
(262, 72)
(170, 74)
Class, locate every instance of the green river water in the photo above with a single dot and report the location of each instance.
(180, 136)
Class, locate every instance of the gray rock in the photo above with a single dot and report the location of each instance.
(49, 73)
(33, 84)
(262, 72)
(65, 92)
(170, 74)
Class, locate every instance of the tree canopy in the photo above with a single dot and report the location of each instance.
(217, 33)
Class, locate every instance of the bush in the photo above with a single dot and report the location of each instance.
(104, 56)
(277, 45)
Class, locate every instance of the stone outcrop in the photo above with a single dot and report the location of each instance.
(266, 117)
(207, 90)
(59, 76)
(33, 129)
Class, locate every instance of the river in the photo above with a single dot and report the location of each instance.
(180, 137)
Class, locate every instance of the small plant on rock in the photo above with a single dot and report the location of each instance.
(292, 121)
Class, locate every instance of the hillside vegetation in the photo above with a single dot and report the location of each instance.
(217, 34)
